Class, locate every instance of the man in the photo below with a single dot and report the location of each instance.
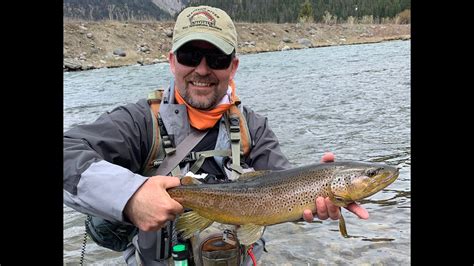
(104, 161)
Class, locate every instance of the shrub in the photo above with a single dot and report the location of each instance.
(404, 17)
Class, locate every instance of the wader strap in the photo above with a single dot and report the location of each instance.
(168, 145)
(173, 160)
(165, 149)
(154, 100)
(176, 171)
(234, 129)
(202, 155)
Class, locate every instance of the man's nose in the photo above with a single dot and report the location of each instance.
(203, 69)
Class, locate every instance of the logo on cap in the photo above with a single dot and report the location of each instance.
(202, 17)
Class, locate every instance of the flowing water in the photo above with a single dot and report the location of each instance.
(352, 100)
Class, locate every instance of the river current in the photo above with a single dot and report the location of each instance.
(353, 100)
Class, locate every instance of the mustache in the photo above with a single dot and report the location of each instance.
(198, 78)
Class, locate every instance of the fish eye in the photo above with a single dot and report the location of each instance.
(371, 172)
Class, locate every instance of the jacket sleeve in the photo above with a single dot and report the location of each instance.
(265, 152)
(101, 161)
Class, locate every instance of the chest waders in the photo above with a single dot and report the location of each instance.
(217, 247)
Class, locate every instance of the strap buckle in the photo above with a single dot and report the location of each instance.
(226, 237)
(168, 144)
(156, 163)
(234, 124)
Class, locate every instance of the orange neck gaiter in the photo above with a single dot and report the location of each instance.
(205, 119)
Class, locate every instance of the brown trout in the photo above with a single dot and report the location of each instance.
(263, 198)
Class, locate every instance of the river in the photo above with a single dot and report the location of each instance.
(353, 100)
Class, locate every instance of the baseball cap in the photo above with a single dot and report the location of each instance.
(205, 23)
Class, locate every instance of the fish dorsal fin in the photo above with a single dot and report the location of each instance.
(249, 176)
(249, 233)
(189, 180)
(190, 222)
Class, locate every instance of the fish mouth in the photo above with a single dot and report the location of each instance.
(392, 176)
(381, 181)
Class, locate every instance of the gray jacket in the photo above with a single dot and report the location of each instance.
(102, 160)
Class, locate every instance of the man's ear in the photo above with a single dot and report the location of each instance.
(171, 61)
(235, 65)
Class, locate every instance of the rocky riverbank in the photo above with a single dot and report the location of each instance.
(89, 45)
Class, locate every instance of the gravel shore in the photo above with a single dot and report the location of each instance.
(89, 45)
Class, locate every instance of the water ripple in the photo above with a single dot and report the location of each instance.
(352, 100)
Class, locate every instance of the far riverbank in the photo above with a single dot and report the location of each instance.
(90, 44)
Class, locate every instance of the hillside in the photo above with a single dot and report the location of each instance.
(255, 11)
(95, 10)
(89, 44)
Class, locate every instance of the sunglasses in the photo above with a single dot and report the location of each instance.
(192, 56)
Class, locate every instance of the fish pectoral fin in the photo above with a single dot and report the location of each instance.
(249, 233)
(249, 176)
(190, 222)
(342, 226)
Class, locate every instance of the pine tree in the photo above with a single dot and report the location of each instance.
(306, 12)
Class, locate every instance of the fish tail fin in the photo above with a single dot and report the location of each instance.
(190, 222)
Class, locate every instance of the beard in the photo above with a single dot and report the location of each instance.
(201, 103)
(203, 100)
